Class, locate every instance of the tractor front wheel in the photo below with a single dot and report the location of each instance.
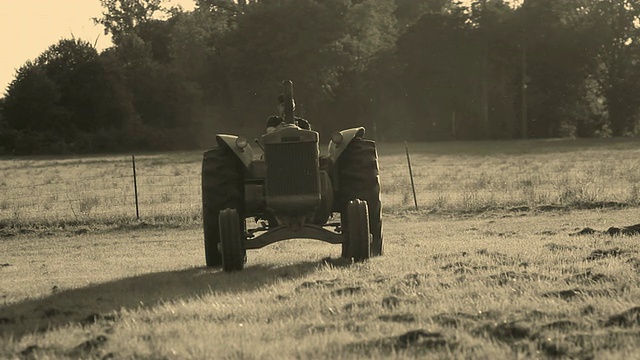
(231, 241)
(358, 234)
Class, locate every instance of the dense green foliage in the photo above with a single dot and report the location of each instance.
(405, 69)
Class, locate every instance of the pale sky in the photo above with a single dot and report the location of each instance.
(29, 27)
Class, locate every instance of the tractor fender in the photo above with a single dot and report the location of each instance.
(336, 149)
(244, 154)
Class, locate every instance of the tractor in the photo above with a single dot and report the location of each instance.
(290, 192)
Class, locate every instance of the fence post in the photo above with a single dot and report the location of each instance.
(135, 185)
(413, 187)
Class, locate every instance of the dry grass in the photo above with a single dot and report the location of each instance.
(492, 287)
(472, 176)
(450, 177)
(497, 284)
(99, 189)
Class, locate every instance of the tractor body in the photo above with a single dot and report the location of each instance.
(290, 192)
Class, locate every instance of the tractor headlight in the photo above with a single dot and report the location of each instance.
(337, 138)
(241, 142)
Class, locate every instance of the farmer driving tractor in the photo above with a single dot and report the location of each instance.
(277, 120)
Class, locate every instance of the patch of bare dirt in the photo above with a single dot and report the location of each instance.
(635, 262)
(336, 262)
(626, 319)
(557, 348)
(30, 351)
(462, 267)
(506, 331)
(399, 318)
(94, 318)
(422, 338)
(571, 294)
(560, 247)
(608, 340)
(462, 319)
(349, 290)
(631, 230)
(6, 320)
(509, 277)
(589, 277)
(419, 341)
(602, 254)
(452, 320)
(561, 325)
(89, 346)
(414, 279)
(449, 256)
(356, 306)
(315, 284)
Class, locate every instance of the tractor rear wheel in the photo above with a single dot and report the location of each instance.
(358, 230)
(358, 178)
(231, 240)
(222, 188)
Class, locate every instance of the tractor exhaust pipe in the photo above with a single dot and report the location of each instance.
(288, 102)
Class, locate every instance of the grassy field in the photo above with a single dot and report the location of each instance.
(449, 177)
(482, 287)
(481, 279)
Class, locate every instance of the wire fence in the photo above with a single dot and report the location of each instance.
(522, 181)
(102, 199)
(426, 184)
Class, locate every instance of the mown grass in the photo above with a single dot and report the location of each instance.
(449, 177)
(495, 286)
(475, 273)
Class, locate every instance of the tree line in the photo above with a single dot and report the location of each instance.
(415, 70)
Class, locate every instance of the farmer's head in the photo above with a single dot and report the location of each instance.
(281, 104)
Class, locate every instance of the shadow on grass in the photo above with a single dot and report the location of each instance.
(89, 304)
